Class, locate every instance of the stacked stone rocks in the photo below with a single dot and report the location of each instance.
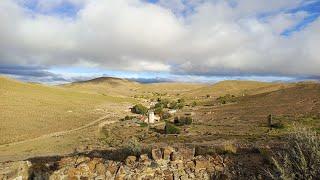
(165, 163)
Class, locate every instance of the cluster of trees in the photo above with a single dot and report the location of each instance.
(166, 103)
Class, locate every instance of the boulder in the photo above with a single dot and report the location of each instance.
(121, 173)
(144, 159)
(175, 156)
(201, 163)
(112, 167)
(167, 175)
(156, 154)
(167, 151)
(130, 161)
(187, 153)
(15, 170)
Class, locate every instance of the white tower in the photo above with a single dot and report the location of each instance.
(151, 117)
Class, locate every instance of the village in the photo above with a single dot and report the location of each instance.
(161, 114)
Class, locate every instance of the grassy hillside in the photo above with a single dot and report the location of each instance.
(299, 104)
(235, 88)
(30, 110)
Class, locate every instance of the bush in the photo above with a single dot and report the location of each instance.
(158, 110)
(300, 159)
(163, 103)
(182, 121)
(171, 129)
(143, 124)
(133, 147)
(139, 109)
(126, 118)
(229, 148)
(278, 125)
(194, 103)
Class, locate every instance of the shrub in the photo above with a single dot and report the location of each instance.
(133, 147)
(143, 124)
(229, 148)
(126, 118)
(300, 159)
(139, 109)
(158, 110)
(187, 120)
(171, 129)
(278, 125)
(194, 103)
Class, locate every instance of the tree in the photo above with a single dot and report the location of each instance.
(139, 109)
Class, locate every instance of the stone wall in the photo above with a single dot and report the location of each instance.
(163, 163)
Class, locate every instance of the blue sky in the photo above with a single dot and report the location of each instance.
(182, 40)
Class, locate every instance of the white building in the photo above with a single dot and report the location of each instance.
(151, 117)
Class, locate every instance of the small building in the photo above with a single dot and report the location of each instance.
(152, 118)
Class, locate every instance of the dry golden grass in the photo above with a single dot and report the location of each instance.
(235, 88)
(30, 110)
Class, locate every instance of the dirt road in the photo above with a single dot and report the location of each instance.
(60, 133)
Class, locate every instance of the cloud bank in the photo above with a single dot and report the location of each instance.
(180, 37)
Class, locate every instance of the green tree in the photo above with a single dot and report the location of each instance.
(139, 109)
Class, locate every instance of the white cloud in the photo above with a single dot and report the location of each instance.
(216, 37)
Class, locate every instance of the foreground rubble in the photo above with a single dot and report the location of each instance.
(163, 163)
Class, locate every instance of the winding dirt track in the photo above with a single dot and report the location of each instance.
(60, 133)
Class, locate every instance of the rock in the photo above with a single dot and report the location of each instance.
(201, 163)
(101, 169)
(156, 154)
(130, 161)
(167, 151)
(15, 170)
(167, 175)
(145, 159)
(175, 156)
(187, 153)
(112, 167)
(121, 173)
(190, 164)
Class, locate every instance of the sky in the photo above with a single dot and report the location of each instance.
(60, 41)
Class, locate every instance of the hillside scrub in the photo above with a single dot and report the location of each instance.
(300, 159)
(226, 99)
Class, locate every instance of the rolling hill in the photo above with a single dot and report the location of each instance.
(236, 88)
(125, 88)
(299, 103)
(29, 110)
